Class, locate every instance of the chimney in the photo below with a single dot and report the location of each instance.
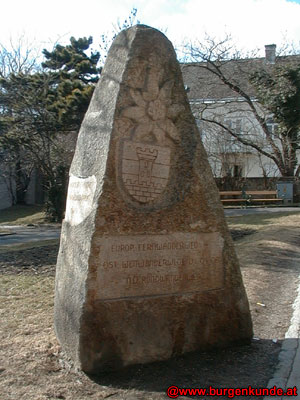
(270, 50)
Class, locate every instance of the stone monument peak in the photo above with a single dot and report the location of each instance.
(146, 267)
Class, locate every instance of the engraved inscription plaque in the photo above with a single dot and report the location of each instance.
(159, 265)
(80, 199)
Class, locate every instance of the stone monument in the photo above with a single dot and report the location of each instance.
(146, 267)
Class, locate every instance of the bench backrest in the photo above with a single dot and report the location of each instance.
(249, 192)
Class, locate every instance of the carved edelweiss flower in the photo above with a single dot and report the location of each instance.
(154, 111)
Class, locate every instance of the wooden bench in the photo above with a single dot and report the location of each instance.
(249, 196)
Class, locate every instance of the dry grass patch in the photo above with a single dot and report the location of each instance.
(27, 336)
(269, 261)
(23, 215)
(4, 232)
(28, 245)
(32, 366)
(260, 222)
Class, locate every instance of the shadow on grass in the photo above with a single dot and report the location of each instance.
(238, 366)
(22, 214)
(238, 234)
(278, 259)
(259, 219)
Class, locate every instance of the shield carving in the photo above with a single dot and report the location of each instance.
(144, 170)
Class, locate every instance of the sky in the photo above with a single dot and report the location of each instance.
(251, 23)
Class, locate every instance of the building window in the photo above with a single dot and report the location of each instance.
(199, 126)
(235, 125)
(232, 170)
(237, 171)
(272, 126)
(228, 123)
(238, 126)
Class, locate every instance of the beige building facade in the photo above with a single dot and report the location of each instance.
(212, 100)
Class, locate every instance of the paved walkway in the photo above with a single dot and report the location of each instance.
(258, 210)
(23, 234)
(287, 373)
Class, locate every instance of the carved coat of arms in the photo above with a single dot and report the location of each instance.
(146, 152)
(145, 169)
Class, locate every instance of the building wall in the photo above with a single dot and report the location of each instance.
(228, 156)
(35, 191)
(5, 196)
(30, 197)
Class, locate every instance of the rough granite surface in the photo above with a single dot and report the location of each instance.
(146, 267)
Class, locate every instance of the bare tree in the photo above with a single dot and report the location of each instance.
(108, 38)
(223, 85)
(16, 167)
(229, 159)
(18, 56)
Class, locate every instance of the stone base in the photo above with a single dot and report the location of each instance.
(118, 333)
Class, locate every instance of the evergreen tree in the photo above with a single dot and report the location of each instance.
(278, 90)
(35, 107)
(74, 74)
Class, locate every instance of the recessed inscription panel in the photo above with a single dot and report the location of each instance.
(177, 263)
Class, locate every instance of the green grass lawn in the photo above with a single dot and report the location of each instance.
(22, 215)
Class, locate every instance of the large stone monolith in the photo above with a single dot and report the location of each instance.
(146, 267)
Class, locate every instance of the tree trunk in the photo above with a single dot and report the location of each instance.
(22, 183)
